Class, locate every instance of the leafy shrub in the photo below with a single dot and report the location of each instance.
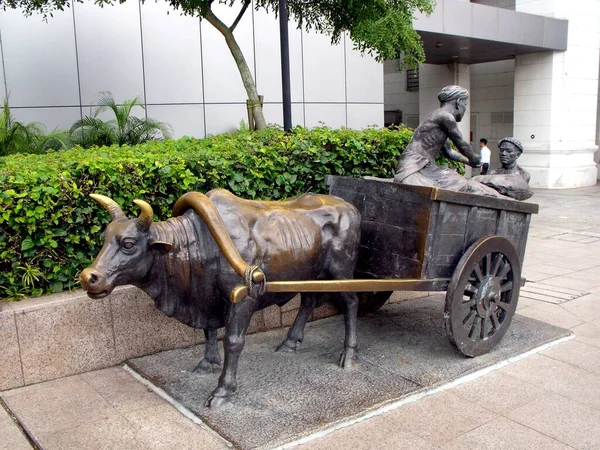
(16, 137)
(50, 229)
(91, 131)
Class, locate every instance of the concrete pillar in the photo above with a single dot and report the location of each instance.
(432, 78)
(556, 99)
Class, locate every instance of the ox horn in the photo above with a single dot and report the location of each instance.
(146, 215)
(110, 205)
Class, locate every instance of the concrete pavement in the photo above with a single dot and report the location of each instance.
(550, 400)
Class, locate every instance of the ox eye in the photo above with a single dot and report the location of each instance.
(128, 245)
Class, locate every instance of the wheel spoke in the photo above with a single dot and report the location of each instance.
(473, 327)
(506, 287)
(488, 264)
(468, 300)
(470, 289)
(484, 328)
(504, 271)
(496, 266)
(466, 319)
(478, 273)
(494, 320)
(503, 305)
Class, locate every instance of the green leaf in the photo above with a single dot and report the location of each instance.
(27, 244)
(57, 286)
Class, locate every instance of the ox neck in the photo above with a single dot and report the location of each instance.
(165, 232)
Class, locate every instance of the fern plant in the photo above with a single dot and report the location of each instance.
(16, 137)
(123, 129)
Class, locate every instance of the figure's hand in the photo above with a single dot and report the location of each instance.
(475, 161)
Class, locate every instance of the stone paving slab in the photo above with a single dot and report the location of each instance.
(11, 437)
(281, 396)
(104, 409)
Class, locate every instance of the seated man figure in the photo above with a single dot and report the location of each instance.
(510, 180)
(417, 164)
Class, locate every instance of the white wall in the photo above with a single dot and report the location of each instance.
(180, 67)
(492, 102)
(556, 99)
(397, 98)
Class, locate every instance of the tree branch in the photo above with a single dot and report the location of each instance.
(239, 17)
(215, 22)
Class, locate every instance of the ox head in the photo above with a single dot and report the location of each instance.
(128, 252)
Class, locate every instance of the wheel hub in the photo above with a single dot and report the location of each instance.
(487, 296)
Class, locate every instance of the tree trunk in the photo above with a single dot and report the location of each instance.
(238, 56)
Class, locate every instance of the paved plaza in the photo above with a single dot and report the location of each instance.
(548, 400)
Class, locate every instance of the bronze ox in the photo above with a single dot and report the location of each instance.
(183, 267)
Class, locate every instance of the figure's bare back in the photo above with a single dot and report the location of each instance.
(429, 137)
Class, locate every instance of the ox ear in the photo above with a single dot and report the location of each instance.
(161, 247)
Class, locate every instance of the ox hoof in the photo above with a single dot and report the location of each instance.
(287, 346)
(215, 402)
(204, 367)
(348, 358)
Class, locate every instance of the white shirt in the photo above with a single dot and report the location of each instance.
(485, 155)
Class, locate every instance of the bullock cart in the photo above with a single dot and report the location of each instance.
(428, 239)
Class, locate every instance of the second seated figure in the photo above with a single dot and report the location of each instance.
(509, 180)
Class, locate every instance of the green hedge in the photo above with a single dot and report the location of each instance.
(50, 229)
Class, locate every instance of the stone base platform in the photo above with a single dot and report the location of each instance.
(403, 350)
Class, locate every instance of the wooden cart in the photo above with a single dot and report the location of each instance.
(427, 239)
(468, 245)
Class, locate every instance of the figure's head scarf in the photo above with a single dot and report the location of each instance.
(450, 93)
(513, 141)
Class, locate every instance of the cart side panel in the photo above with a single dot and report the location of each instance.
(446, 243)
(394, 226)
(481, 222)
(458, 226)
(523, 241)
(515, 227)
(388, 252)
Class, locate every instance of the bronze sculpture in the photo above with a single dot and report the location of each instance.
(510, 149)
(417, 166)
(190, 263)
(509, 180)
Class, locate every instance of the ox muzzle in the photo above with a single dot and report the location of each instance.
(94, 282)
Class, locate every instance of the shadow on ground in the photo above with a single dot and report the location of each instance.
(282, 396)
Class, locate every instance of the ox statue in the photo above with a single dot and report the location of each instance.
(187, 264)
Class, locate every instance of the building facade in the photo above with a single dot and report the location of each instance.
(532, 67)
(180, 67)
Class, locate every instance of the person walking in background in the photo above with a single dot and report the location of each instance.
(485, 156)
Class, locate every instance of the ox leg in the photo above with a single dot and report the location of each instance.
(296, 332)
(238, 320)
(211, 352)
(348, 356)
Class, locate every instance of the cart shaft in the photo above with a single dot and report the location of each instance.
(434, 284)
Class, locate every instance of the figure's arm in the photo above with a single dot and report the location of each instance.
(451, 128)
(450, 153)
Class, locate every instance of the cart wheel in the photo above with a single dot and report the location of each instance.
(370, 302)
(482, 295)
